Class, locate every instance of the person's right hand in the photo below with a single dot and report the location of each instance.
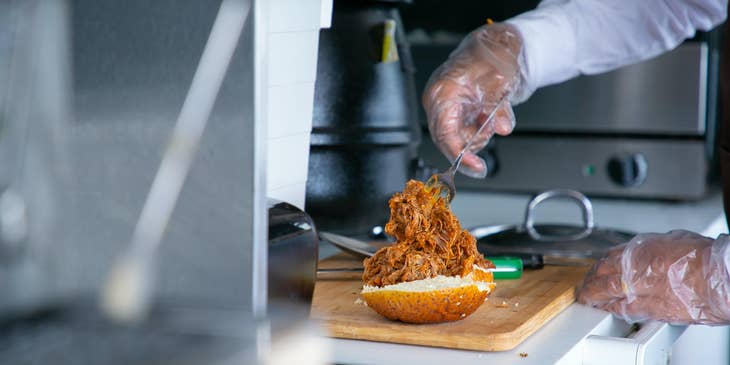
(463, 91)
(679, 277)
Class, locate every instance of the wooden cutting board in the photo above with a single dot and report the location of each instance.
(516, 309)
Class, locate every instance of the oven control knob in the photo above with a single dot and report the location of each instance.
(627, 170)
(490, 159)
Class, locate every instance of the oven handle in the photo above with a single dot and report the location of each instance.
(651, 344)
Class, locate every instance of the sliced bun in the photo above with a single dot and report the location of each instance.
(432, 300)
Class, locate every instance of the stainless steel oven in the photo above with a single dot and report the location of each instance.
(645, 130)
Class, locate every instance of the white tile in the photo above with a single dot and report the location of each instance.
(326, 14)
(290, 109)
(293, 57)
(294, 15)
(287, 161)
(292, 194)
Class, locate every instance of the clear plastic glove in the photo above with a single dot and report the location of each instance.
(463, 91)
(679, 277)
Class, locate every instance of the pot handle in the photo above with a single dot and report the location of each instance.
(586, 208)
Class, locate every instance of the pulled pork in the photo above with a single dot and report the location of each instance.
(429, 241)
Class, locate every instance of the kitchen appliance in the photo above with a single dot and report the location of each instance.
(293, 255)
(79, 154)
(364, 131)
(528, 241)
(89, 92)
(645, 130)
(555, 240)
(34, 112)
(91, 97)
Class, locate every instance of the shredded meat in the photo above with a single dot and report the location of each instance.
(429, 241)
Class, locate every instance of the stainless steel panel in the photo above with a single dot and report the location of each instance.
(34, 107)
(676, 169)
(83, 176)
(665, 95)
(133, 63)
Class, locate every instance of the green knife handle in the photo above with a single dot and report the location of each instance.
(506, 267)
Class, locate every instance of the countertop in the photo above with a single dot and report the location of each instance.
(560, 340)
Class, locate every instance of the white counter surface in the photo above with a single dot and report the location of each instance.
(559, 342)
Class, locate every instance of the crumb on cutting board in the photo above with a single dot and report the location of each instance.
(523, 354)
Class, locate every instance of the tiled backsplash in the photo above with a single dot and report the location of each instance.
(293, 39)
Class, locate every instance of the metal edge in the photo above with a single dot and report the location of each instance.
(349, 245)
(702, 97)
(259, 264)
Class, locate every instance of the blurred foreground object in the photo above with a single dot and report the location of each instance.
(126, 296)
(34, 121)
(81, 143)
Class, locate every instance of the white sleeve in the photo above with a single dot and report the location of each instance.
(566, 38)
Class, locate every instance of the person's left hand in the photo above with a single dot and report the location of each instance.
(679, 277)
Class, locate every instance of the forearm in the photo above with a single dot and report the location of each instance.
(566, 38)
(717, 282)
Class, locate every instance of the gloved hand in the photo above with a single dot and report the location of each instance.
(463, 91)
(679, 277)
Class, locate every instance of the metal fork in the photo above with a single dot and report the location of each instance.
(446, 178)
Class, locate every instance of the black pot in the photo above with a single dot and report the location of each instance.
(365, 136)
